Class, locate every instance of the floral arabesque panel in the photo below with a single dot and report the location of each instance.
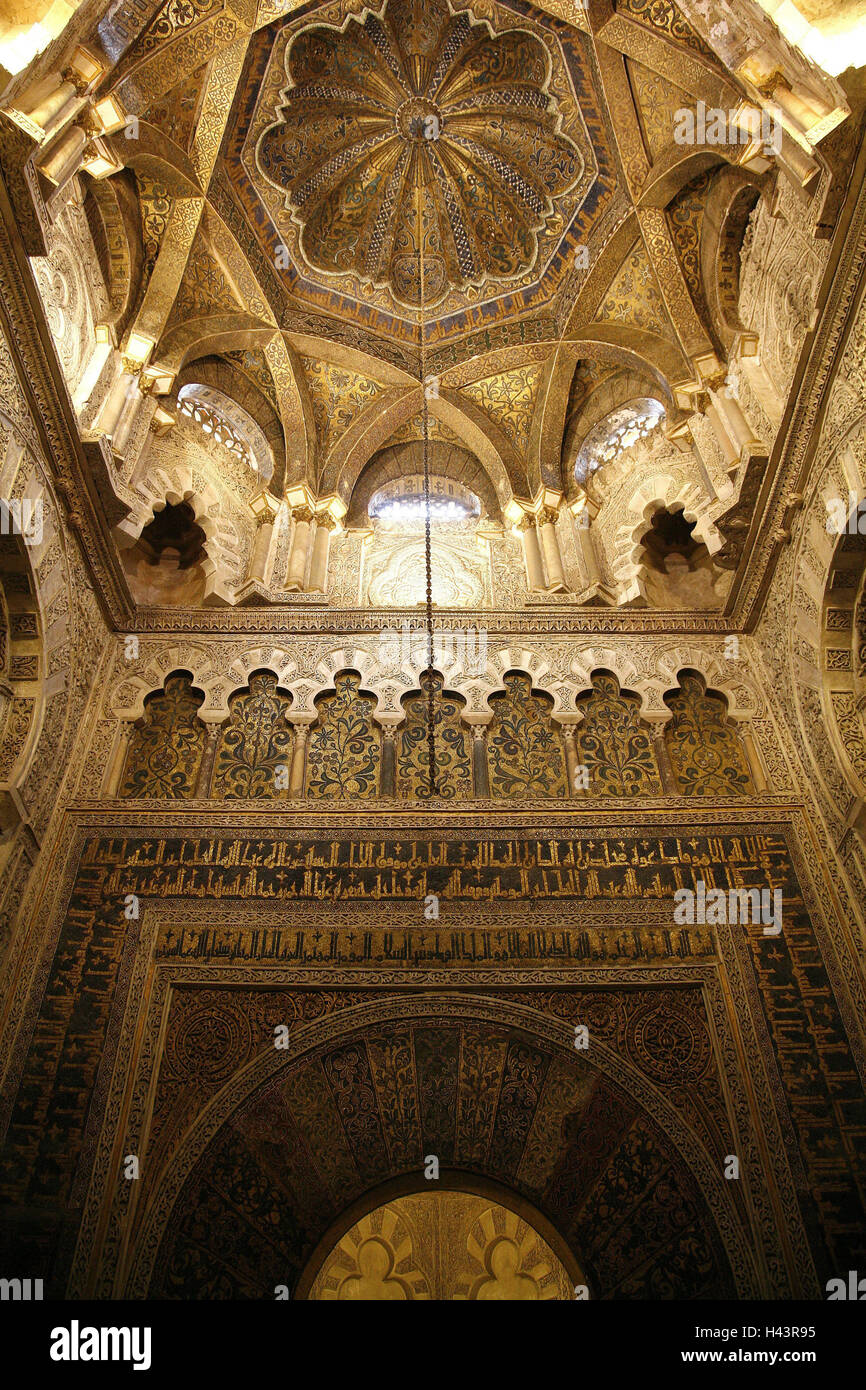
(166, 749)
(344, 754)
(453, 747)
(255, 747)
(614, 745)
(706, 755)
(524, 748)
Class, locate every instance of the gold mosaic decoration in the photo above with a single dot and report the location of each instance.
(634, 297)
(337, 395)
(255, 747)
(706, 755)
(509, 399)
(453, 747)
(657, 98)
(419, 99)
(344, 753)
(165, 750)
(445, 1246)
(614, 745)
(524, 749)
(413, 431)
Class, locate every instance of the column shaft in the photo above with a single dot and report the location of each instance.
(723, 435)
(532, 555)
(111, 412)
(261, 551)
(118, 760)
(63, 157)
(49, 106)
(480, 770)
(755, 764)
(732, 413)
(296, 572)
(571, 759)
(388, 783)
(205, 772)
(120, 437)
(552, 555)
(586, 541)
(321, 552)
(296, 777)
(666, 772)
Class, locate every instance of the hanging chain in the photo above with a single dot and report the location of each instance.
(428, 561)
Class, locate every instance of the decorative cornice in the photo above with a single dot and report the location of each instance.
(324, 621)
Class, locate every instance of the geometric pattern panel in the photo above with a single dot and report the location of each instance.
(255, 746)
(453, 758)
(704, 748)
(524, 749)
(613, 742)
(345, 751)
(165, 750)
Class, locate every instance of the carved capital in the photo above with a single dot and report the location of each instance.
(76, 80)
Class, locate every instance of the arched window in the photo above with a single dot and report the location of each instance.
(402, 502)
(616, 433)
(218, 416)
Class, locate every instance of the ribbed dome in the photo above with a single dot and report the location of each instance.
(419, 110)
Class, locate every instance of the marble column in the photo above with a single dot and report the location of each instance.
(47, 101)
(586, 542)
(764, 388)
(480, 770)
(550, 544)
(754, 760)
(571, 762)
(531, 554)
(132, 404)
(299, 746)
(111, 412)
(801, 167)
(738, 426)
(205, 772)
(660, 748)
(723, 435)
(114, 773)
(388, 781)
(261, 551)
(63, 155)
(297, 567)
(325, 524)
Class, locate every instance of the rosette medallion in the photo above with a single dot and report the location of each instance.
(419, 116)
